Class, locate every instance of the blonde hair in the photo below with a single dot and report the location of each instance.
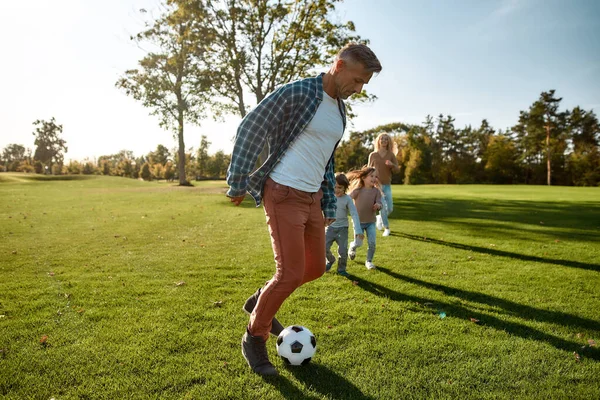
(391, 146)
(356, 177)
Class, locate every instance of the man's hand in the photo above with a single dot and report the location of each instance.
(360, 236)
(329, 221)
(389, 163)
(237, 200)
(376, 207)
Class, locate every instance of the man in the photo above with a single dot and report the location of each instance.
(301, 123)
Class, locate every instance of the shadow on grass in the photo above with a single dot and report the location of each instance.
(485, 250)
(464, 313)
(320, 379)
(564, 219)
(512, 308)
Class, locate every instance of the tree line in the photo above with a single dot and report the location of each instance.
(48, 158)
(546, 146)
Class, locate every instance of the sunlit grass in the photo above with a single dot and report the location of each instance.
(137, 287)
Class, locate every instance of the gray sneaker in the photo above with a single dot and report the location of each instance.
(249, 305)
(254, 350)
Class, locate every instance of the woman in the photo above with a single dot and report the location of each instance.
(383, 159)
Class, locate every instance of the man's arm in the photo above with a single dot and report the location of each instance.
(250, 140)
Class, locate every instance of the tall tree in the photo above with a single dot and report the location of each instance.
(202, 156)
(541, 133)
(171, 80)
(262, 44)
(50, 147)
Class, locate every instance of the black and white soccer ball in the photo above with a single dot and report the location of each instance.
(296, 345)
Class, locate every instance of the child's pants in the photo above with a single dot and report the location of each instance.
(340, 236)
(370, 230)
(295, 222)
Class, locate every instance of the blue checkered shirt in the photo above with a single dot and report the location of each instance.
(277, 121)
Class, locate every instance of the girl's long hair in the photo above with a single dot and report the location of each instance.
(391, 146)
(356, 177)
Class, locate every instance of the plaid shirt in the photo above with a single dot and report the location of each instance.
(278, 120)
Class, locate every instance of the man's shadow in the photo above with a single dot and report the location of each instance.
(320, 379)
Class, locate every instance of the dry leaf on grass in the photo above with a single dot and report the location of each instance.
(592, 342)
(181, 283)
(577, 357)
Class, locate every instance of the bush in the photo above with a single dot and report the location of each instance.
(145, 172)
(89, 168)
(24, 166)
(57, 169)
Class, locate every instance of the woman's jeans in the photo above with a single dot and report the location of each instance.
(340, 236)
(387, 204)
(370, 230)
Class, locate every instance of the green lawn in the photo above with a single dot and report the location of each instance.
(135, 290)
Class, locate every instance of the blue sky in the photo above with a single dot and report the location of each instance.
(471, 59)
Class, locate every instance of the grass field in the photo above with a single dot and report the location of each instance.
(112, 288)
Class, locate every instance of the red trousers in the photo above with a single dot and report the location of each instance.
(297, 229)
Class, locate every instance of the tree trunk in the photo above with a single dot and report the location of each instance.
(548, 153)
(181, 152)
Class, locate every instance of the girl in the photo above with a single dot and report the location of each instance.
(384, 160)
(338, 231)
(367, 200)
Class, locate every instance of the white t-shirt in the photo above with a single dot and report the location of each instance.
(303, 165)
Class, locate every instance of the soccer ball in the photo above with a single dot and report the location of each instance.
(296, 345)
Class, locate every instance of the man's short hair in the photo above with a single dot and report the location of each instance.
(361, 53)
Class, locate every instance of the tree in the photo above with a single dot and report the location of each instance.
(202, 156)
(172, 80)
(217, 165)
(260, 45)
(351, 154)
(160, 156)
(13, 155)
(50, 148)
(541, 135)
(416, 156)
(145, 172)
(480, 142)
(501, 160)
(583, 164)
